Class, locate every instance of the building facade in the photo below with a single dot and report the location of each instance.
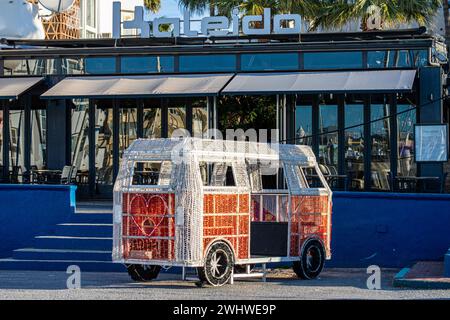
(353, 97)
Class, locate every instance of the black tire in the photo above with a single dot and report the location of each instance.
(219, 264)
(311, 262)
(143, 273)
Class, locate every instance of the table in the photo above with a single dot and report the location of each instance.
(414, 184)
(46, 176)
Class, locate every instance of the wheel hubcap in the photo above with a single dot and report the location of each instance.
(219, 264)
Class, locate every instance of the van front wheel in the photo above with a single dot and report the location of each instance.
(311, 262)
(219, 264)
(143, 273)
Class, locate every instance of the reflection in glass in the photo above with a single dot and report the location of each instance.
(72, 65)
(103, 65)
(80, 138)
(269, 61)
(354, 144)
(333, 60)
(147, 64)
(152, 123)
(397, 59)
(177, 120)
(199, 118)
(16, 144)
(38, 148)
(104, 145)
(328, 139)
(303, 125)
(31, 67)
(380, 146)
(207, 63)
(127, 127)
(405, 136)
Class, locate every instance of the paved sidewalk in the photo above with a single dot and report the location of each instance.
(333, 284)
(423, 275)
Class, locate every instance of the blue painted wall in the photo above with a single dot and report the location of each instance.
(27, 210)
(389, 230)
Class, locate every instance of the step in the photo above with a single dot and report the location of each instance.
(447, 264)
(73, 242)
(91, 218)
(61, 254)
(85, 229)
(60, 265)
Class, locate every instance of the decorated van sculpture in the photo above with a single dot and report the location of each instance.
(220, 206)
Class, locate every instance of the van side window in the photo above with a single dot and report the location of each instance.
(266, 178)
(313, 178)
(217, 174)
(152, 173)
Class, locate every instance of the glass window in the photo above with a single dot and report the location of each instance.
(199, 118)
(303, 125)
(333, 60)
(31, 67)
(269, 61)
(354, 143)
(38, 147)
(73, 66)
(397, 59)
(217, 174)
(152, 173)
(100, 65)
(80, 138)
(177, 120)
(104, 144)
(152, 121)
(127, 125)
(328, 139)
(91, 13)
(405, 125)
(147, 64)
(207, 63)
(380, 144)
(16, 145)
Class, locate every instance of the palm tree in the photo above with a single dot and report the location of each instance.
(307, 8)
(153, 5)
(335, 14)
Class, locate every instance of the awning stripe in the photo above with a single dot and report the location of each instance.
(380, 81)
(13, 88)
(138, 86)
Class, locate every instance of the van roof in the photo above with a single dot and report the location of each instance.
(217, 150)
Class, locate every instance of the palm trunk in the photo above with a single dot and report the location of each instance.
(212, 9)
(446, 20)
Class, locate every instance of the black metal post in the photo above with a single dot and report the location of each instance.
(92, 169)
(27, 140)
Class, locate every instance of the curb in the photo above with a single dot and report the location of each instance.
(400, 281)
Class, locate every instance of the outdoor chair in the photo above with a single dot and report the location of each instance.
(66, 175)
(14, 174)
(74, 175)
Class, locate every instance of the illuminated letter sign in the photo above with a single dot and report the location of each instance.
(216, 26)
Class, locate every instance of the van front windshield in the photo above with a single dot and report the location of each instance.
(152, 173)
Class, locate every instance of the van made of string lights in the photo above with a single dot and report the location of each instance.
(219, 208)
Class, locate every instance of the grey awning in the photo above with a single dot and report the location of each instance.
(138, 86)
(12, 88)
(322, 82)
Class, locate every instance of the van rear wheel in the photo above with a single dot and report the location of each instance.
(219, 264)
(312, 261)
(143, 273)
